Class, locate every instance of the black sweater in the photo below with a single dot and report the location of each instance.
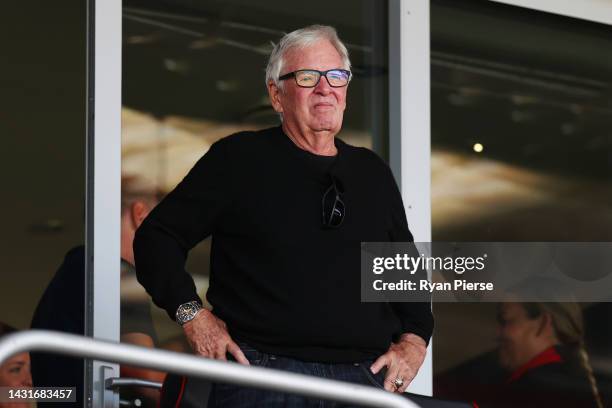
(281, 281)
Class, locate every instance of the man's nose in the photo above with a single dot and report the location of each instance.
(323, 86)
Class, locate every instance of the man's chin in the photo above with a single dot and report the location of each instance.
(326, 129)
(327, 125)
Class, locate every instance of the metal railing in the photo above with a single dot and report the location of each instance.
(185, 364)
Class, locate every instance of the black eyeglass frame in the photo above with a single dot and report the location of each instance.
(321, 75)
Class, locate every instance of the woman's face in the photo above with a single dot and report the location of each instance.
(516, 334)
(15, 373)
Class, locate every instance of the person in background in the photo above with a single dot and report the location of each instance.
(542, 348)
(15, 372)
(61, 308)
(136, 320)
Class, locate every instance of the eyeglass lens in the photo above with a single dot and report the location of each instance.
(311, 78)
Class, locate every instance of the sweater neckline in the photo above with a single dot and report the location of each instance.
(338, 143)
(304, 154)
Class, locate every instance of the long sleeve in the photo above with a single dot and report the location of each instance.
(186, 216)
(416, 317)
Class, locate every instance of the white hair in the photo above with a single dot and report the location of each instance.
(299, 39)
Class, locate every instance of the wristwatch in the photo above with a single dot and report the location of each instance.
(187, 312)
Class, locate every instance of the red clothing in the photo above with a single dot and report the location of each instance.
(548, 356)
(554, 378)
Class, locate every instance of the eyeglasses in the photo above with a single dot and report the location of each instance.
(309, 78)
(333, 208)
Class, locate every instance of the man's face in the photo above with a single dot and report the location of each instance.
(516, 335)
(315, 109)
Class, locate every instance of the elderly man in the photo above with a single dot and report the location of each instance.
(287, 208)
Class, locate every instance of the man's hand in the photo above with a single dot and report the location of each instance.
(207, 335)
(403, 360)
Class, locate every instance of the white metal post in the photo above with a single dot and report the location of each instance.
(409, 126)
(104, 70)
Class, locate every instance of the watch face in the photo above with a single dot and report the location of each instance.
(187, 312)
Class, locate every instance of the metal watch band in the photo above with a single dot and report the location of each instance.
(187, 311)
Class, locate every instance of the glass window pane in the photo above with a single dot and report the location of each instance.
(521, 149)
(42, 123)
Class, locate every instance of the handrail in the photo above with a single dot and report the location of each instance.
(162, 360)
(118, 382)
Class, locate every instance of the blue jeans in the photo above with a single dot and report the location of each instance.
(237, 396)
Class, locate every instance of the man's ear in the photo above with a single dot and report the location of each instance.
(275, 95)
(139, 212)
